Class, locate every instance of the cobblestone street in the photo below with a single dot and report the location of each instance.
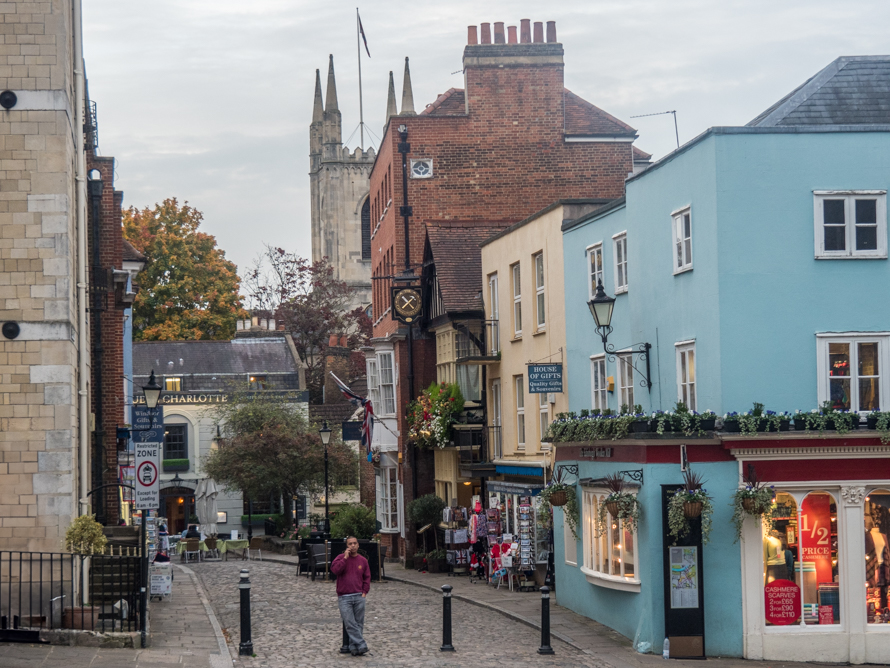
(296, 623)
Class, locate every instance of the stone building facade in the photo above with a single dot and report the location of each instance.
(510, 143)
(340, 210)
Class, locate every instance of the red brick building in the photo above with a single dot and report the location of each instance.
(511, 142)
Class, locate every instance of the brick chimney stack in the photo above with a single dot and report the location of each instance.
(336, 360)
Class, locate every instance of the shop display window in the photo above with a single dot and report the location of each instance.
(612, 552)
(877, 555)
(800, 553)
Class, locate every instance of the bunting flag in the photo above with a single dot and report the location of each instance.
(368, 421)
(361, 31)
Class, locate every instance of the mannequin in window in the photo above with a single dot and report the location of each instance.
(774, 556)
(877, 558)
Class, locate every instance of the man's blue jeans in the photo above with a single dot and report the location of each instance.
(352, 612)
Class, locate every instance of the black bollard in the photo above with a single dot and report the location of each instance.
(344, 645)
(545, 647)
(246, 646)
(446, 620)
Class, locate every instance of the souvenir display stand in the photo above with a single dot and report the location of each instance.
(457, 540)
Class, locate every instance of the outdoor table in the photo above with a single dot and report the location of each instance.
(226, 545)
(180, 547)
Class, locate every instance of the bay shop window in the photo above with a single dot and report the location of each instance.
(611, 556)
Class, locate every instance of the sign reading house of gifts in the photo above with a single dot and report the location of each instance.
(782, 599)
(543, 378)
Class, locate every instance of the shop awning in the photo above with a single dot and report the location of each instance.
(531, 469)
(512, 488)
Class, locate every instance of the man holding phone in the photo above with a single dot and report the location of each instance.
(353, 585)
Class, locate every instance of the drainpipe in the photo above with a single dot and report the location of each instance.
(83, 439)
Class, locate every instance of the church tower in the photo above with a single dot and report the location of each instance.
(339, 184)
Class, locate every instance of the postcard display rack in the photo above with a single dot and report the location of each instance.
(151, 531)
(457, 539)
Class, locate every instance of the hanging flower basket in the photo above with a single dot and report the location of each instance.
(612, 507)
(692, 509)
(559, 498)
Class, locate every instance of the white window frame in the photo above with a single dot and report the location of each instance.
(598, 550)
(516, 280)
(519, 403)
(387, 494)
(595, 251)
(849, 197)
(494, 307)
(385, 396)
(690, 398)
(599, 397)
(682, 256)
(496, 419)
(543, 417)
(540, 297)
(373, 383)
(569, 543)
(619, 243)
(624, 362)
(823, 386)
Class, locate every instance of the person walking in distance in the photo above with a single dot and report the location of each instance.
(353, 585)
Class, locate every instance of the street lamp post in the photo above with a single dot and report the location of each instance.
(152, 393)
(601, 307)
(325, 433)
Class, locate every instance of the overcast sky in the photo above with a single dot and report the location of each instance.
(210, 100)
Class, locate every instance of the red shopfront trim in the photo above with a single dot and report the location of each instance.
(644, 453)
(793, 470)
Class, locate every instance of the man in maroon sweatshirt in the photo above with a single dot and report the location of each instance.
(353, 585)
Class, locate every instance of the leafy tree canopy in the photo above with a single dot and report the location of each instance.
(188, 289)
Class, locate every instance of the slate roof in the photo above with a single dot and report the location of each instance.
(852, 90)
(130, 254)
(455, 245)
(639, 154)
(582, 118)
(239, 356)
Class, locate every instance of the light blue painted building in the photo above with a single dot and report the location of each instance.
(754, 261)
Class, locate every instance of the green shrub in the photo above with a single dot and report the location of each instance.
(354, 520)
(426, 510)
(85, 536)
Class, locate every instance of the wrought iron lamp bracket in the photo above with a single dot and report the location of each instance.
(571, 469)
(639, 349)
(636, 475)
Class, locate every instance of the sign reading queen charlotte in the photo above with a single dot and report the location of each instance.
(544, 378)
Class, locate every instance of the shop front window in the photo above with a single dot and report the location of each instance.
(800, 552)
(611, 552)
(877, 555)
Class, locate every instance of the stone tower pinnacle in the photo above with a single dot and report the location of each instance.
(332, 88)
(331, 135)
(391, 109)
(407, 93)
(315, 127)
(317, 107)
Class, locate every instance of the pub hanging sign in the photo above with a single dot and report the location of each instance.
(544, 378)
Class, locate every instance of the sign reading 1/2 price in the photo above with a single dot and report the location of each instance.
(148, 483)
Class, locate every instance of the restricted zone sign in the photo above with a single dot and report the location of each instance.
(148, 484)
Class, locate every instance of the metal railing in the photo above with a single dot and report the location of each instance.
(46, 590)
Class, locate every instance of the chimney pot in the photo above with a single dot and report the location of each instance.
(280, 328)
(525, 31)
(343, 343)
(511, 35)
(551, 31)
(499, 33)
(486, 33)
(472, 37)
(332, 340)
(539, 32)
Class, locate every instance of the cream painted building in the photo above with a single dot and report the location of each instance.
(522, 274)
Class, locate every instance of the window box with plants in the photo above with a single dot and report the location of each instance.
(688, 503)
(754, 499)
(756, 420)
(826, 418)
(561, 494)
(172, 465)
(880, 420)
(431, 416)
(620, 504)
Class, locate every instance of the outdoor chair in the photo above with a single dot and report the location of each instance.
(256, 545)
(192, 549)
(212, 549)
(317, 559)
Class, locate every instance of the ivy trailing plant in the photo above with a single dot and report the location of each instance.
(570, 510)
(882, 424)
(754, 498)
(627, 507)
(605, 425)
(825, 416)
(430, 417)
(691, 493)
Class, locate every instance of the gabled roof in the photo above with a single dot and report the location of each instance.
(583, 118)
(239, 356)
(639, 154)
(852, 90)
(455, 245)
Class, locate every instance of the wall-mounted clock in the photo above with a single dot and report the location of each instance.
(406, 304)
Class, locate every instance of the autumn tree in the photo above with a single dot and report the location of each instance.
(313, 305)
(270, 448)
(188, 290)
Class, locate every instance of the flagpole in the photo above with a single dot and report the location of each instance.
(358, 46)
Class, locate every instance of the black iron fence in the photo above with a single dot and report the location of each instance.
(45, 591)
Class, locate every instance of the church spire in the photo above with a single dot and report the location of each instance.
(317, 107)
(407, 93)
(332, 88)
(391, 109)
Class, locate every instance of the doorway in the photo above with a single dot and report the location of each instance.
(178, 505)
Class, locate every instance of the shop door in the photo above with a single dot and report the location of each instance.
(684, 603)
